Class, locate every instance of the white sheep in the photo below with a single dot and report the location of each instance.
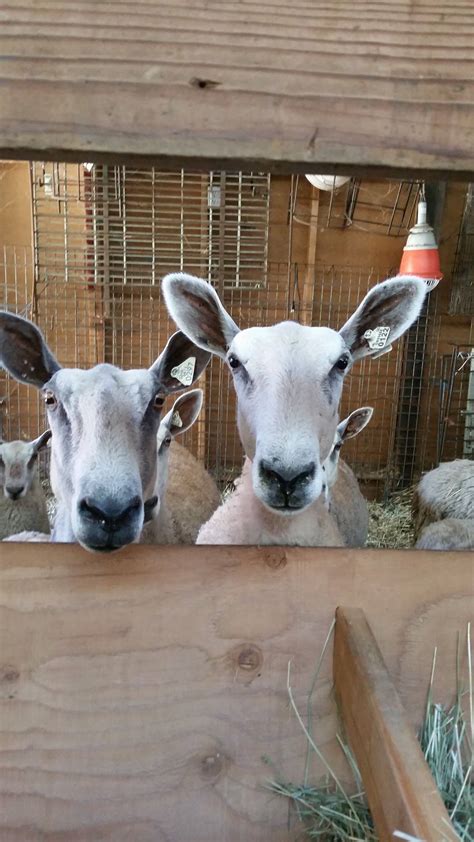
(186, 493)
(288, 379)
(186, 496)
(445, 492)
(22, 503)
(104, 423)
(345, 501)
(449, 534)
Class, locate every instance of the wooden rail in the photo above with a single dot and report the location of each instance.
(139, 692)
(400, 789)
(380, 86)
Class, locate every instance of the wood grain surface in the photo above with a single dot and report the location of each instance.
(139, 692)
(385, 85)
(400, 788)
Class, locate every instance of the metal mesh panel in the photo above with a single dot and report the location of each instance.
(462, 296)
(455, 433)
(21, 415)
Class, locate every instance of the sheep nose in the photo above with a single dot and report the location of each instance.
(14, 493)
(109, 514)
(288, 481)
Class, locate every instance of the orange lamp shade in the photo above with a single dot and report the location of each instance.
(420, 255)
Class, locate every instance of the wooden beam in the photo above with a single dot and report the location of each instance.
(400, 789)
(349, 87)
(139, 692)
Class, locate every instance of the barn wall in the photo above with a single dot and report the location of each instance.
(19, 413)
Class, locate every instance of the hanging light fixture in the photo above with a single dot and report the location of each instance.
(420, 255)
(327, 182)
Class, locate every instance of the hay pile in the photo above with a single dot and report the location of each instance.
(329, 813)
(390, 524)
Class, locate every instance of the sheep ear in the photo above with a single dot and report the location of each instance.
(184, 412)
(41, 442)
(195, 307)
(180, 364)
(23, 351)
(354, 423)
(386, 312)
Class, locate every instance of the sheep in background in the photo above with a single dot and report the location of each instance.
(288, 379)
(29, 537)
(22, 504)
(345, 501)
(449, 534)
(445, 492)
(347, 429)
(187, 495)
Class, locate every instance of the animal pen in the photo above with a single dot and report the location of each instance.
(144, 695)
(275, 248)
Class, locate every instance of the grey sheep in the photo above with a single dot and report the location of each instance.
(22, 503)
(445, 492)
(449, 534)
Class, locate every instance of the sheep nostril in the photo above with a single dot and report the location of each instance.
(109, 514)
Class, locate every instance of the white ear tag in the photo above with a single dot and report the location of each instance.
(377, 338)
(378, 354)
(184, 372)
(176, 419)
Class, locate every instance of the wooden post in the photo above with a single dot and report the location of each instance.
(306, 304)
(400, 789)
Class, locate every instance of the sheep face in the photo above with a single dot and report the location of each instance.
(288, 378)
(18, 465)
(104, 423)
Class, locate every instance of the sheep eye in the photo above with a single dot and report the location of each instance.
(158, 402)
(167, 441)
(233, 361)
(50, 399)
(342, 363)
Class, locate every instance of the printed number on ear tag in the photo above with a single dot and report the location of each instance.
(176, 419)
(377, 338)
(184, 372)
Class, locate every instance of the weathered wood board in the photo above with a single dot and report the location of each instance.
(306, 87)
(139, 692)
(400, 789)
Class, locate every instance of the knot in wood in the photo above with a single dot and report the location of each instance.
(275, 559)
(8, 674)
(212, 765)
(203, 84)
(249, 658)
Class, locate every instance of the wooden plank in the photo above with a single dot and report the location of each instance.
(400, 789)
(138, 693)
(316, 87)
